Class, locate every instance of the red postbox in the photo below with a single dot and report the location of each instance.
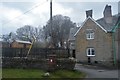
(51, 62)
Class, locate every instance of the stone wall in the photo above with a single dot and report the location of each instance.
(43, 64)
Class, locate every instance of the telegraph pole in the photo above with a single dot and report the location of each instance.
(51, 34)
(51, 17)
(51, 10)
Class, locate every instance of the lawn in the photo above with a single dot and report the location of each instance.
(36, 73)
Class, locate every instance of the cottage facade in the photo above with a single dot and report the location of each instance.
(94, 39)
(93, 43)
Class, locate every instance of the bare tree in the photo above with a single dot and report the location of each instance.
(59, 31)
(27, 32)
(9, 37)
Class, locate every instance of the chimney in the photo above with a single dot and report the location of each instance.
(89, 13)
(108, 14)
(107, 11)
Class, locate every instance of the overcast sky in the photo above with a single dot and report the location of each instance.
(15, 14)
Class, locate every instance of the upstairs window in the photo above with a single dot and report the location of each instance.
(89, 34)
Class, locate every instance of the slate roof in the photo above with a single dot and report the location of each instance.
(24, 42)
(72, 32)
(106, 26)
(118, 18)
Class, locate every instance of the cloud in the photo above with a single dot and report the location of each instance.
(78, 9)
(60, 0)
(9, 13)
(14, 17)
(12, 12)
(59, 9)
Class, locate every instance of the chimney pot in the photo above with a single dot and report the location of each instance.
(89, 13)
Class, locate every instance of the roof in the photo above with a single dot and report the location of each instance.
(24, 42)
(93, 21)
(118, 19)
(116, 25)
(108, 26)
(72, 32)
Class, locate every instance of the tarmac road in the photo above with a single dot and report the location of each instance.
(94, 72)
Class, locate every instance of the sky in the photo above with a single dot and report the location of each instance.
(15, 14)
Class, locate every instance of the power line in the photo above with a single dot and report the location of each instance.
(37, 5)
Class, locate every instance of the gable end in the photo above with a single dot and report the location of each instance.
(93, 21)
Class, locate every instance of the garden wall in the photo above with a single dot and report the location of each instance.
(44, 64)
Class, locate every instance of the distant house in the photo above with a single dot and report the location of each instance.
(94, 42)
(4, 43)
(1, 40)
(20, 44)
(71, 41)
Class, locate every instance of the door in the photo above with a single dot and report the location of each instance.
(89, 60)
(73, 53)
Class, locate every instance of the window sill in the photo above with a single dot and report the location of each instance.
(90, 38)
(90, 55)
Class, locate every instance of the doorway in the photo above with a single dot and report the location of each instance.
(89, 60)
(73, 53)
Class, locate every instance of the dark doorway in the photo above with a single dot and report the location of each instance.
(89, 60)
(73, 53)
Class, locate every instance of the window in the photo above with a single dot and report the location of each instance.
(90, 52)
(89, 34)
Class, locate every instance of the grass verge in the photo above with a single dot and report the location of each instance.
(36, 73)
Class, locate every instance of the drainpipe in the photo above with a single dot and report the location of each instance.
(114, 47)
(113, 41)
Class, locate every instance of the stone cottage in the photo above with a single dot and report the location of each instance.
(94, 41)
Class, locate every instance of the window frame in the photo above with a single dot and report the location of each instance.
(90, 50)
(90, 35)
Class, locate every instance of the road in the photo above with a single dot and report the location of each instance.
(94, 72)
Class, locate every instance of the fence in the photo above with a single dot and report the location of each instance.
(16, 58)
(35, 52)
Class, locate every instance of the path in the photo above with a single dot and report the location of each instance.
(94, 72)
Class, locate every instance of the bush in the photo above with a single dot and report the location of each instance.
(65, 64)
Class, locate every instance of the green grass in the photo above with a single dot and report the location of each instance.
(36, 73)
(67, 74)
(22, 73)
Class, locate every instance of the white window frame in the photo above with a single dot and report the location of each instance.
(90, 35)
(91, 54)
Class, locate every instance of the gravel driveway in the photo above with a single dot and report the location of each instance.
(94, 72)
